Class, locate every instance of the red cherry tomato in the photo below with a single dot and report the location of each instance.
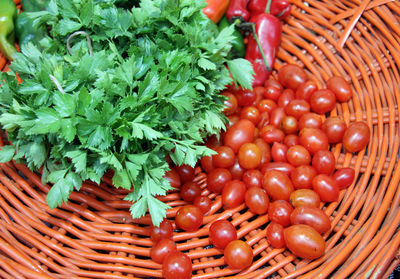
(231, 103)
(276, 117)
(245, 97)
(162, 249)
(177, 266)
(286, 97)
(278, 185)
(344, 177)
(272, 134)
(291, 140)
(272, 93)
(233, 119)
(305, 197)
(312, 216)
(266, 105)
(264, 120)
(186, 173)
(273, 83)
(305, 90)
(189, 218)
(233, 193)
(322, 101)
(297, 108)
(257, 200)
(289, 125)
(326, 187)
(265, 150)
(356, 137)
(334, 127)
(217, 178)
(240, 133)
(249, 156)
(298, 155)
(279, 212)
(340, 87)
(252, 178)
(310, 120)
(275, 235)
(189, 191)
(173, 177)
(278, 152)
(292, 76)
(236, 170)
(206, 163)
(286, 168)
(259, 91)
(203, 202)
(250, 113)
(224, 158)
(221, 233)
(164, 230)
(304, 241)
(313, 140)
(324, 162)
(238, 254)
(302, 177)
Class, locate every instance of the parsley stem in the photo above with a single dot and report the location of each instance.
(89, 42)
(55, 81)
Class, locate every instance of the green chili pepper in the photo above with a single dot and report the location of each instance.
(8, 12)
(238, 47)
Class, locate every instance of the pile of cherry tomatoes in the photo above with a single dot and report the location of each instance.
(274, 156)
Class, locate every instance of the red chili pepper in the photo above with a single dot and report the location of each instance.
(269, 31)
(216, 9)
(279, 8)
(238, 10)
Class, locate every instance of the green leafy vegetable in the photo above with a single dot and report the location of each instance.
(146, 86)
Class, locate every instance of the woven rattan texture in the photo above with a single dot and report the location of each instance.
(93, 236)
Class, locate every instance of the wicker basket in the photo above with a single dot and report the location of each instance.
(94, 236)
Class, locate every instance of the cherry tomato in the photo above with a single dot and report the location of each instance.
(189, 218)
(356, 137)
(249, 156)
(252, 178)
(305, 90)
(273, 83)
(312, 216)
(233, 119)
(291, 140)
(286, 97)
(278, 185)
(326, 187)
(322, 101)
(340, 87)
(272, 134)
(186, 173)
(334, 127)
(259, 90)
(189, 191)
(173, 177)
(250, 113)
(278, 152)
(164, 230)
(240, 133)
(203, 202)
(264, 120)
(304, 197)
(279, 212)
(324, 162)
(217, 178)
(304, 241)
(298, 155)
(272, 93)
(344, 177)
(245, 97)
(297, 108)
(257, 200)
(310, 120)
(266, 105)
(236, 170)
(233, 193)
(286, 168)
(238, 254)
(162, 249)
(275, 235)
(302, 177)
(224, 158)
(213, 142)
(292, 76)
(231, 103)
(289, 125)
(177, 266)
(221, 233)
(265, 150)
(313, 140)
(206, 163)
(277, 115)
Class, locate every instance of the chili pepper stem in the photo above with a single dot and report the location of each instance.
(259, 46)
(268, 7)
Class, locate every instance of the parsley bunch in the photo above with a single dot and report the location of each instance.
(144, 85)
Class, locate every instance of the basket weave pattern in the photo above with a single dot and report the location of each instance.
(94, 236)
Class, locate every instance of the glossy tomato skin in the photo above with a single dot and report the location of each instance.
(292, 76)
(279, 211)
(287, 96)
(207, 164)
(177, 266)
(217, 178)
(273, 83)
(203, 202)
(236, 170)
(164, 230)
(344, 177)
(326, 187)
(356, 136)
(189, 218)
(289, 125)
(278, 185)
(240, 133)
(304, 241)
(278, 152)
(313, 140)
(257, 200)
(162, 249)
(238, 254)
(189, 191)
(221, 233)
(334, 128)
(276, 117)
(259, 91)
(252, 178)
(340, 87)
(270, 134)
(303, 176)
(265, 150)
(291, 140)
(173, 177)
(224, 158)
(245, 97)
(275, 235)
(232, 120)
(272, 93)
(249, 156)
(286, 168)
(312, 216)
(324, 162)
(305, 197)
(231, 103)
(267, 106)
(310, 120)
(322, 101)
(297, 108)
(250, 113)
(298, 155)
(305, 90)
(186, 173)
(264, 120)
(233, 193)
